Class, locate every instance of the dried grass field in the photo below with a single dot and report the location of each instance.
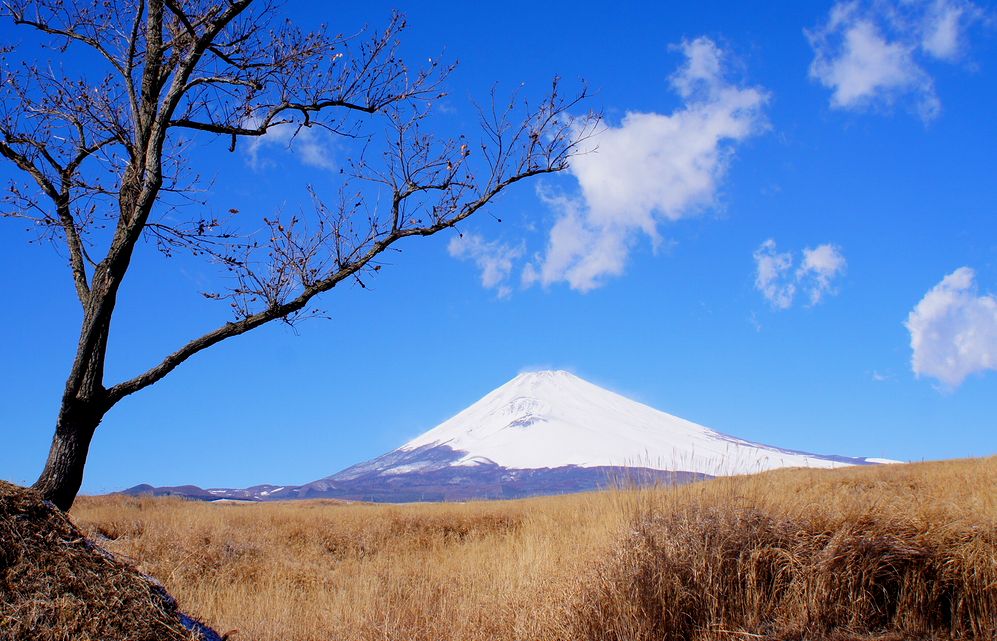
(888, 552)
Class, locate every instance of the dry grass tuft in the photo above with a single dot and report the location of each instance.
(55, 585)
(888, 553)
(899, 552)
(710, 571)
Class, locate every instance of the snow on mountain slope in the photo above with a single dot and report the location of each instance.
(552, 419)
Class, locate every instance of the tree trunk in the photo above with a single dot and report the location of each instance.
(63, 474)
(85, 400)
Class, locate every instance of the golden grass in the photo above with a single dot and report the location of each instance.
(896, 552)
(891, 552)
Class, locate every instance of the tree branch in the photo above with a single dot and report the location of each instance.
(282, 311)
(75, 244)
(30, 168)
(201, 66)
(70, 34)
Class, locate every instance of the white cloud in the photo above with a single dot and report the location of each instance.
(771, 271)
(819, 267)
(953, 330)
(779, 283)
(310, 145)
(869, 55)
(578, 252)
(941, 38)
(648, 168)
(865, 69)
(493, 258)
(944, 26)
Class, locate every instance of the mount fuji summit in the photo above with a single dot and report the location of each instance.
(545, 432)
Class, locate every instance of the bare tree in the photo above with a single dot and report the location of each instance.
(101, 158)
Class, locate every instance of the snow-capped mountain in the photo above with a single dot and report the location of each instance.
(543, 433)
(552, 427)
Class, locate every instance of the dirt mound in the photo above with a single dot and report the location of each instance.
(56, 585)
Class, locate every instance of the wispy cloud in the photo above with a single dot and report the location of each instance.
(819, 268)
(493, 258)
(953, 330)
(779, 278)
(944, 25)
(310, 145)
(772, 270)
(869, 54)
(649, 168)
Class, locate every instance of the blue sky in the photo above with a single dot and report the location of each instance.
(787, 233)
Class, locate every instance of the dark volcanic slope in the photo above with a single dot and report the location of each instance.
(484, 481)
